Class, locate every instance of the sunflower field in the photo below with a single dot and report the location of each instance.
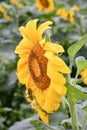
(43, 65)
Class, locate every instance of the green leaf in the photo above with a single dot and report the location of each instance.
(35, 123)
(70, 27)
(66, 121)
(75, 94)
(73, 49)
(2, 119)
(3, 110)
(81, 63)
(59, 6)
(83, 11)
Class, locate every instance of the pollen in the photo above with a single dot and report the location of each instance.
(38, 67)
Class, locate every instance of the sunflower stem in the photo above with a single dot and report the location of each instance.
(75, 79)
(66, 101)
(73, 116)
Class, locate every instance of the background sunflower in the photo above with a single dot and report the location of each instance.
(46, 5)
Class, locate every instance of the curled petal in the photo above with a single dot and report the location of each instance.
(57, 62)
(55, 48)
(43, 27)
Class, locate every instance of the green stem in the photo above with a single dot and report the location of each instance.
(70, 66)
(84, 122)
(67, 103)
(73, 117)
(75, 79)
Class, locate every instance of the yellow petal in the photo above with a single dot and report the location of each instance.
(2, 10)
(59, 11)
(72, 20)
(58, 88)
(44, 116)
(30, 31)
(54, 75)
(84, 76)
(22, 79)
(26, 43)
(23, 52)
(24, 47)
(85, 81)
(22, 64)
(83, 73)
(23, 71)
(43, 27)
(55, 48)
(40, 96)
(57, 62)
(71, 13)
(42, 42)
(65, 15)
(52, 101)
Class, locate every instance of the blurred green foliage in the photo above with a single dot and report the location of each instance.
(13, 106)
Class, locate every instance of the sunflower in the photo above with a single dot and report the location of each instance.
(66, 14)
(84, 76)
(40, 69)
(3, 11)
(62, 12)
(76, 7)
(71, 16)
(46, 5)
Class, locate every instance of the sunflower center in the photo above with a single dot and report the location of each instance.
(35, 67)
(38, 67)
(45, 3)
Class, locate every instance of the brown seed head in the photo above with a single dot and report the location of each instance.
(38, 67)
(45, 3)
